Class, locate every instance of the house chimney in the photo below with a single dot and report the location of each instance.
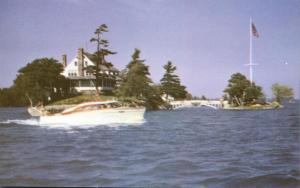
(80, 58)
(64, 60)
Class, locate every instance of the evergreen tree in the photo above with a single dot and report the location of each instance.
(99, 56)
(170, 83)
(153, 98)
(135, 83)
(135, 59)
(135, 80)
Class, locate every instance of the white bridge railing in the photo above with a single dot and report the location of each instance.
(216, 104)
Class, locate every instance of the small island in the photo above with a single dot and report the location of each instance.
(56, 85)
(242, 94)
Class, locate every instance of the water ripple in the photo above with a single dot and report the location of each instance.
(186, 148)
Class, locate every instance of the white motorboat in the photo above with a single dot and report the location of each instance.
(107, 112)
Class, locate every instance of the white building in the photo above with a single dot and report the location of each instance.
(84, 81)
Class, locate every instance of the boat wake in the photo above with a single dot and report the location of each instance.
(21, 121)
(35, 122)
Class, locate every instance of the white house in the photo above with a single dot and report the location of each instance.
(84, 81)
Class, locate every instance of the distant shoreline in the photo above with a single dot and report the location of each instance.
(255, 107)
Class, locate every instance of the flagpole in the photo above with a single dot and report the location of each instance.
(250, 54)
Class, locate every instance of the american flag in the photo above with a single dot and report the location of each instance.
(254, 31)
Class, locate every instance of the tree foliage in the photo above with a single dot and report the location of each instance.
(136, 83)
(252, 94)
(153, 98)
(41, 80)
(241, 91)
(170, 83)
(11, 97)
(282, 91)
(99, 56)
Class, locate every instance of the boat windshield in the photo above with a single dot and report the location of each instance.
(98, 106)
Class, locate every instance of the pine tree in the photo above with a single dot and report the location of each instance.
(170, 83)
(135, 58)
(135, 81)
(99, 56)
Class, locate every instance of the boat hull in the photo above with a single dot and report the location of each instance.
(97, 117)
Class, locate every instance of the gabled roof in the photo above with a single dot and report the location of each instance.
(102, 66)
(90, 56)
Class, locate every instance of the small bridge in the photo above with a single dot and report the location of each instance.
(215, 104)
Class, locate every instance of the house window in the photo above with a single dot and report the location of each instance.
(86, 64)
(75, 63)
(72, 74)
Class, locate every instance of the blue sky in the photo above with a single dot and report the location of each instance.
(207, 40)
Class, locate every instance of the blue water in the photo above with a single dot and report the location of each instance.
(193, 147)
